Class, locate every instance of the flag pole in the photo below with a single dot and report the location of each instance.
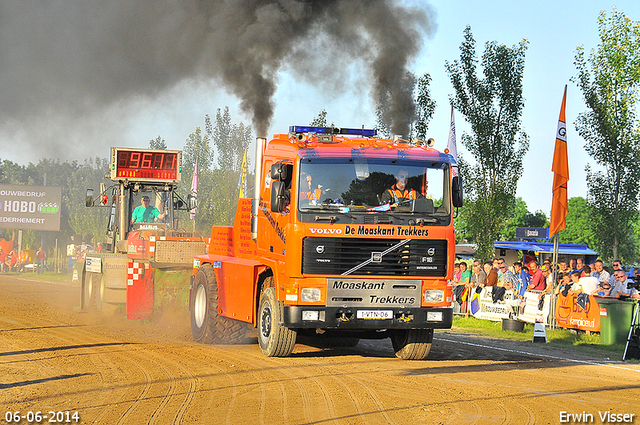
(552, 307)
(560, 202)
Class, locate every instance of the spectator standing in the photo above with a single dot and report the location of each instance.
(625, 291)
(524, 278)
(537, 278)
(479, 276)
(2, 258)
(580, 265)
(620, 284)
(465, 275)
(456, 274)
(576, 287)
(548, 278)
(492, 274)
(565, 283)
(23, 260)
(509, 279)
(40, 257)
(600, 273)
(588, 282)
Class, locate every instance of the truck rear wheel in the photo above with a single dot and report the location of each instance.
(412, 344)
(207, 326)
(275, 340)
(92, 291)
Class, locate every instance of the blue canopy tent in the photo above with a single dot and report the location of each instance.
(565, 250)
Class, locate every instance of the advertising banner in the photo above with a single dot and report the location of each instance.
(570, 315)
(30, 207)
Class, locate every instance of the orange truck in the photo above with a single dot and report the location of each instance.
(125, 270)
(330, 249)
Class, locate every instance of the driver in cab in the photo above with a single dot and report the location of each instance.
(399, 192)
(309, 193)
(146, 213)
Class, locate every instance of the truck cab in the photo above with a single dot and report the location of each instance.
(353, 238)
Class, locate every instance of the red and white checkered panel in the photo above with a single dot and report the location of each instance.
(135, 271)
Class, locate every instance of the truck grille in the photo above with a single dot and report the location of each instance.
(335, 256)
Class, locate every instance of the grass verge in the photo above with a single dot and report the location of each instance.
(559, 337)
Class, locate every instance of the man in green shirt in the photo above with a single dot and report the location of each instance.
(145, 213)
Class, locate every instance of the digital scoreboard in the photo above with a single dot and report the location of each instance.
(152, 165)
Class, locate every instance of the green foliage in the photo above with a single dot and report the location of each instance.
(218, 170)
(425, 107)
(609, 80)
(321, 120)
(418, 119)
(218, 193)
(579, 224)
(522, 218)
(493, 106)
(157, 143)
(88, 224)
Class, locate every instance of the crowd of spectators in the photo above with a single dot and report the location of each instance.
(573, 277)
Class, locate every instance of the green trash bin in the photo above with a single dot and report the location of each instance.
(615, 320)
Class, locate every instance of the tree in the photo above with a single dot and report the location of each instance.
(493, 106)
(157, 143)
(609, 80)
(521, 218)
(419, 118)
(218, 170)
(579, 226)
(425, 107)
(320, 120)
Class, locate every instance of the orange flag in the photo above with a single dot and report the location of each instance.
(560, 168)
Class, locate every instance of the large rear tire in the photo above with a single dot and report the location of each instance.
(412, 344)
(92, 291)
(207, 326)
(275, 340)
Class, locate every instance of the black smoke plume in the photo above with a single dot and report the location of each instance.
(73, 59)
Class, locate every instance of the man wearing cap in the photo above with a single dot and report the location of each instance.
(145, 213)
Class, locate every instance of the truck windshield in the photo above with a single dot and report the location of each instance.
(365, 185)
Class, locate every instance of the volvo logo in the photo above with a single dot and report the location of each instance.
(431, 252)
(331, 231)
(320, 249)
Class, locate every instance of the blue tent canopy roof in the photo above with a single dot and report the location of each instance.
(547, 247)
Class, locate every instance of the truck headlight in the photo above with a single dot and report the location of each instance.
(310, 295)
(433, 296)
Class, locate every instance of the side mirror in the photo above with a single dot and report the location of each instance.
(88, 200)
(279, 171)
(278, 203)
(456, 192)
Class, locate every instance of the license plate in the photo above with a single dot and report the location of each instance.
(374, 314)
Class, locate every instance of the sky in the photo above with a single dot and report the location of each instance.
(46, 115)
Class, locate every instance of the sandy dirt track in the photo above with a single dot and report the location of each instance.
(114, 371)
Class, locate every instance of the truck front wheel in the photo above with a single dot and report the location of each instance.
(207, 326)
(412, 344)
(275, 340)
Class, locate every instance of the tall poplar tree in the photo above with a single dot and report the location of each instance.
(493, 107)
(609, 79)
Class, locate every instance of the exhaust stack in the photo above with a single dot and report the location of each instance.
(260, 144)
